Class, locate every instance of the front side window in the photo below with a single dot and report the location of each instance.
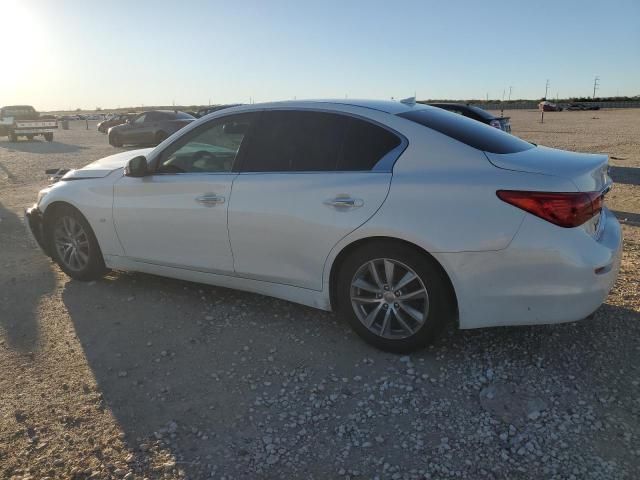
(141, 118)
(211, 148)
(306, 141)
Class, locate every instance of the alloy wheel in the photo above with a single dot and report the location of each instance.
(71, 243)
(389, 298)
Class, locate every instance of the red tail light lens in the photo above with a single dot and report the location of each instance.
(566, 210)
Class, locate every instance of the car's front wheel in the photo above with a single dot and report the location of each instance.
(74, 246)
(394, 296)
(115, 140)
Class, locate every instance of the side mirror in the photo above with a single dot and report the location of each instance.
(136, 167)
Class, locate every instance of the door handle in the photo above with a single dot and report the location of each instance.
(344, 202)
(210, 199)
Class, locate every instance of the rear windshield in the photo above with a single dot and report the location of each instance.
(184, 116)
(471, 132)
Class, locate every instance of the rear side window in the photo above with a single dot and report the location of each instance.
(468, 131)
(364, 145)
(303, 141)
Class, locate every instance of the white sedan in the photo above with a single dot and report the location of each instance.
(403, 217)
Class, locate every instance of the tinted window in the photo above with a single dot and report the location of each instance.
(212, 147)
(289, 141)
(471, 132)
(141, 118)
(183, 116)
(316, 141)
(364, 145)
(154, 117)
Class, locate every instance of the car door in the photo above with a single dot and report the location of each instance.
(177, 216)
(133, 131)
(308, 179)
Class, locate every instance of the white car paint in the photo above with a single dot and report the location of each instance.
(507, 267)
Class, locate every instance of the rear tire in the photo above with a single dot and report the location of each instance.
(48, 137)
(73, 245)
(403, 305)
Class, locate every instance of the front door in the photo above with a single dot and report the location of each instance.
(177, 216)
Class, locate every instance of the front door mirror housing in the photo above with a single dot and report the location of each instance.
(136, 167)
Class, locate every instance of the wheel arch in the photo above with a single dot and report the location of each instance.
(359, 243)
(49, 214)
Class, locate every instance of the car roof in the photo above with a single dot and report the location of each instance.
(387, 106)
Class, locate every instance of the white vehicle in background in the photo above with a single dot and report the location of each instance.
(403, 217)
(23, 121)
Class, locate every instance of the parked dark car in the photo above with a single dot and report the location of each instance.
(582, 106)
(149, 128)
(476, 113)
(546, 106)
(213, 108)
(105, 125)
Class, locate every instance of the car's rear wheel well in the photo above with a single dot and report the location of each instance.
(352, 247)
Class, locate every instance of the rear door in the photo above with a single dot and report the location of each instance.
(308, 179)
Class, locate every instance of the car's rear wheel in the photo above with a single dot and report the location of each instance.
(394, 296)
(48, 137)
(73, 245)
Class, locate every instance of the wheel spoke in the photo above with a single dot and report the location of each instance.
(374, 274)
(362, 284)
(402, 321)
(373, 314)
(413, 295)
(385, 321)
(415, 314)
(405, 280)
(388, 272)
(366, 300)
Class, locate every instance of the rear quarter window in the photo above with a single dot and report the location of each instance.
(468, 131)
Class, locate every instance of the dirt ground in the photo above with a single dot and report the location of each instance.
(135, 376)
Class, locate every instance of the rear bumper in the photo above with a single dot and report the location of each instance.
(546, 275)
(34, 224)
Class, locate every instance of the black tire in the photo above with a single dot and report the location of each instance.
(161, 137)
(29, 137)
(115, 140)
(48, 137)
(440, 306)
(13, 137)
(94, 267)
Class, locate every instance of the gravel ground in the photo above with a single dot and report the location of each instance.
(136, 376)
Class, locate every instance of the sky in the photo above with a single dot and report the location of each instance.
(82, 54)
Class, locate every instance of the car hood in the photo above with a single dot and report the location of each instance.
(104, 166)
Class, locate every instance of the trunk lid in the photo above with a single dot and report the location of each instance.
(589, 172)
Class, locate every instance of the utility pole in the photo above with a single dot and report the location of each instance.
(546, 89)
(596, 85)
(510, 89)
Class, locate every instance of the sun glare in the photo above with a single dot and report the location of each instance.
(19, 23)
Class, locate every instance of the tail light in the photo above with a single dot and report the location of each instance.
(566, 210)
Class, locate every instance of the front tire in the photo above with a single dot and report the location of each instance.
(395, 297)
(73, 245)
(115, 140)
